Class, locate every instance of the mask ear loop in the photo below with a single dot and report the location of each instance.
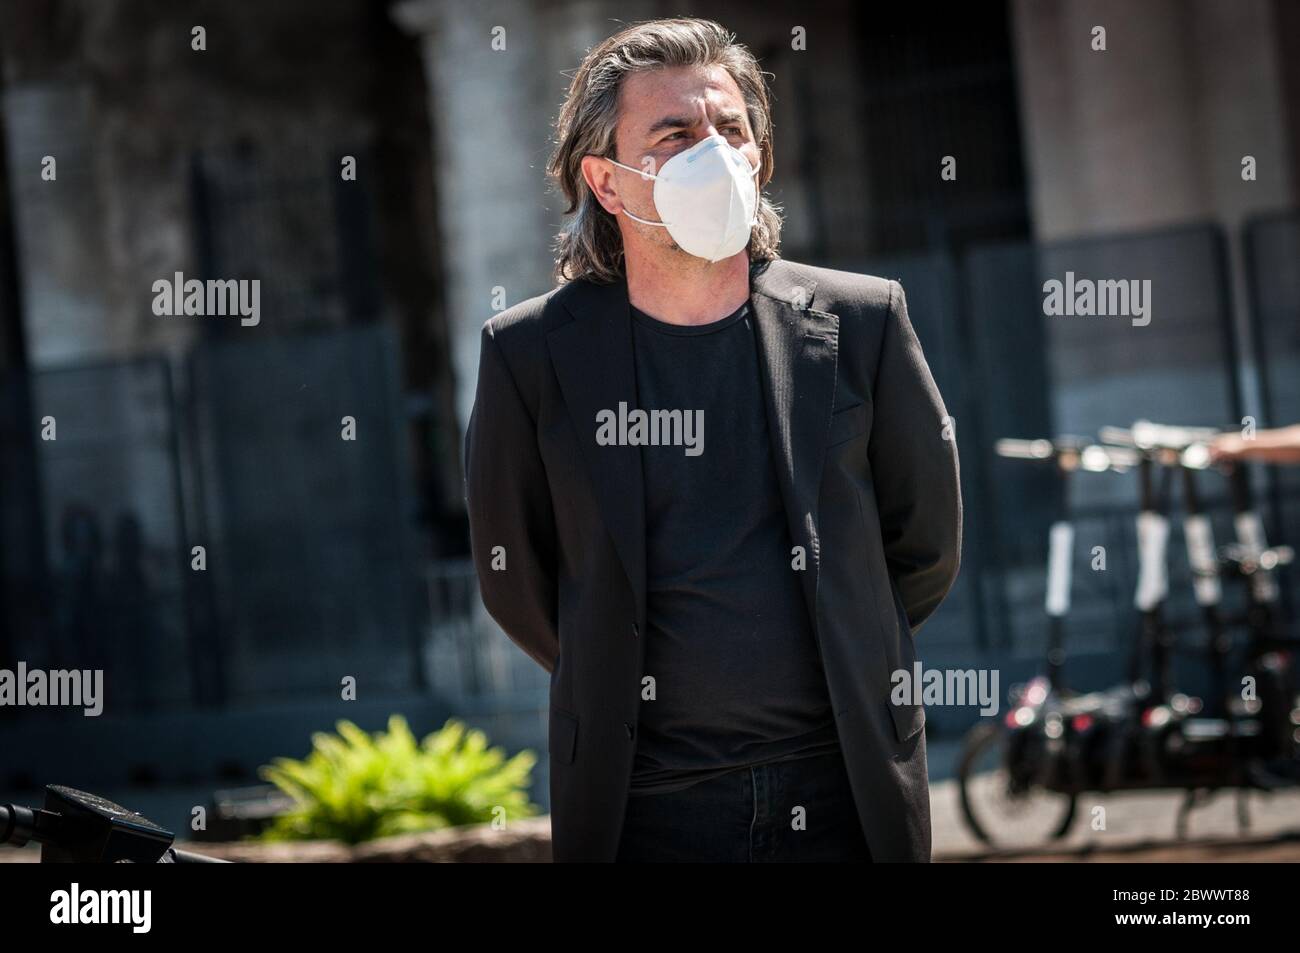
(645, 175)
(758, 198)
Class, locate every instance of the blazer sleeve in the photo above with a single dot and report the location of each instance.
(913, 456)
(509, 506)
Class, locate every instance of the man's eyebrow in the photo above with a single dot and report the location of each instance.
(686, 122)
(670, 122)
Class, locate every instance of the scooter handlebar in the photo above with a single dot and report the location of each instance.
(1145, 435)
(1069, 453)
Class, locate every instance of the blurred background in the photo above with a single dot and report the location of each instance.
(328, 558)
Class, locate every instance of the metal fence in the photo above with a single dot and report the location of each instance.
(114, 531)
(311, 567)
(222, 542)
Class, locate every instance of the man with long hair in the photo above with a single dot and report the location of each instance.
(714, 493)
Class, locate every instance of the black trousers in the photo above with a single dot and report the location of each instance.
(800, 810)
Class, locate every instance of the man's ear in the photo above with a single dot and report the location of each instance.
(599, 176)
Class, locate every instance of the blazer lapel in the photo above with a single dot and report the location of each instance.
(593, 361)
(799, 349)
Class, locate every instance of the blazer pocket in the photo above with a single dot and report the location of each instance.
(563, 742)
(908, 720)
(848, 423)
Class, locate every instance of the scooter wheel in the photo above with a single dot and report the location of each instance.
(1000, 812)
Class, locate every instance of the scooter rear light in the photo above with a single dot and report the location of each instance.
(1081, 723)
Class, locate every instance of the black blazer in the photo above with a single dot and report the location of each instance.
(869, 475)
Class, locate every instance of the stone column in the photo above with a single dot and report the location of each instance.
(489, 111)
(492, 113)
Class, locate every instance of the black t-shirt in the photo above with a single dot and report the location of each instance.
(737, 674)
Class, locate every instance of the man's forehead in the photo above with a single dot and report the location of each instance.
(652, 95)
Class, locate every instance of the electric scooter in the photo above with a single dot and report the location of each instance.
(1031, 765)
(1147, 735)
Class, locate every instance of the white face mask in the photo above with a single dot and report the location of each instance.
(707, 197)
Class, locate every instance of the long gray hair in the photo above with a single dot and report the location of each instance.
(590, 245)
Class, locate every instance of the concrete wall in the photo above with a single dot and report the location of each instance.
(1151, 131)
(115, 93)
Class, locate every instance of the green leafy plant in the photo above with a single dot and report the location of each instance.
(355, 786)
